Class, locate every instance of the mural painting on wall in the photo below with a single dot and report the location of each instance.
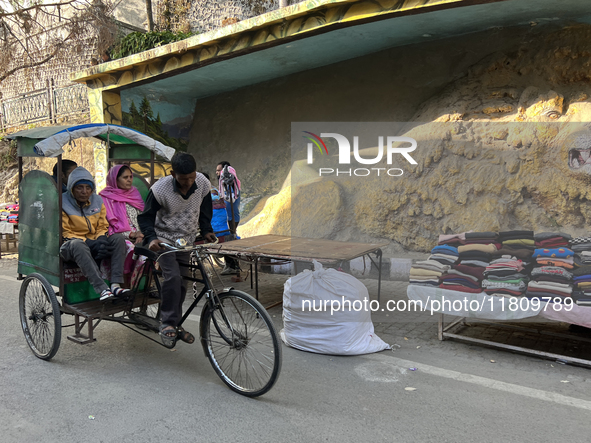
(173, 133)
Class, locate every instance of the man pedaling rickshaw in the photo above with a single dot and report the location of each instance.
(85, 226)
(177, 207)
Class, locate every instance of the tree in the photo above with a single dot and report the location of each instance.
(150, 15)
(33, 32)
(146, 112)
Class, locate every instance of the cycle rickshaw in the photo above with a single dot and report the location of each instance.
(236, 332)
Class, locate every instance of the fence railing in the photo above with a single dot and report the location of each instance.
(49, 103)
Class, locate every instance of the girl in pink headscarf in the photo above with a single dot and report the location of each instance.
(123, 203)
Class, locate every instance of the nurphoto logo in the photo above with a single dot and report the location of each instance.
(344, 152)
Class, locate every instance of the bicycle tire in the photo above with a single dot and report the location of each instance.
(40, 316)
(152, 310)
(236, 358)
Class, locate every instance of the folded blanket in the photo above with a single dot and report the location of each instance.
(553, 270)
(486, 234)
(549, 286)
(582, 271)
(522, 254)
(474, 263)
(511, 235)
(565, 263)
(460, 288)
(519, 242)
(461, 236)
(488, 284)
(553, 253)
(450, 280)
(546, 235)
(475, 271)
(489, 248)
(445, 249)
(458, 273)
(419, 271)
(431, 264)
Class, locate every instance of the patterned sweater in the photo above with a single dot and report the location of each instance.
(170, 215)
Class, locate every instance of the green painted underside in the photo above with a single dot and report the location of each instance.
(316, 50)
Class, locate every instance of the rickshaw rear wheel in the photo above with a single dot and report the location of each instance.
(40, 316)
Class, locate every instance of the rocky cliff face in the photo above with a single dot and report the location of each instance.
(508, 146)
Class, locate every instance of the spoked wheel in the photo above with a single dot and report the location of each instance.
(148, 315)
(241, 343)
(40, 316)
(153, 309)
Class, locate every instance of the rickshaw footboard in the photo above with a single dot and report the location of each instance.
(89, 314)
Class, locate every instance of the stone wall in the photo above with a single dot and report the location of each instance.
(205, 15)
(128, 16)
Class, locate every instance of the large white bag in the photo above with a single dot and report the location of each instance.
(347, 330)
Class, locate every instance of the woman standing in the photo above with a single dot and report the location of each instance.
(229, 189)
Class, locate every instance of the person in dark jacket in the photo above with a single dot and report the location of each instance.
(67, 167)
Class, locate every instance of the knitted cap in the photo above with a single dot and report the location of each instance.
(85, 182)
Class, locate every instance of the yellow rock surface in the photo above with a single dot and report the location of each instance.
(505, 147)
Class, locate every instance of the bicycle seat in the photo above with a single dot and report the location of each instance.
(140, 250)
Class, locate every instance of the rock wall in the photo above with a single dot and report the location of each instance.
(499, 119)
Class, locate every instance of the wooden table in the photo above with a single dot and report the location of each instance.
(299, 249)
(8, 232)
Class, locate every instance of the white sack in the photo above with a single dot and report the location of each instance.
(345, 332)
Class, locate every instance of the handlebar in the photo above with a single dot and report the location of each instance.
(141, 250)
(172, 247)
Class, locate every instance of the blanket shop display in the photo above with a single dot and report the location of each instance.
(510, 264)
(321, 313)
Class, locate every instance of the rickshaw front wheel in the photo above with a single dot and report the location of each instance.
(40, 316)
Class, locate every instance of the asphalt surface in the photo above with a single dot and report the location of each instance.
(125, 388)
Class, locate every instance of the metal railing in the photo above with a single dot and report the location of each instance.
(49, 103)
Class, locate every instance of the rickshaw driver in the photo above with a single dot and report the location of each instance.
(84, 227)
(178, 206)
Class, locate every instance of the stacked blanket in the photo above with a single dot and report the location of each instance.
(562, 257)
(582, 279)
(551, 239)
(452, 239)
(581, 246)
(517, 239)
(505, 276)
(473, 255)
(444, 254)
(550, 281)
(427, 272)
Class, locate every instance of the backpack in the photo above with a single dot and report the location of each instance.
(228, 178)
(229, 182)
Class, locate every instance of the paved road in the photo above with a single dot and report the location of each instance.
(140, 392)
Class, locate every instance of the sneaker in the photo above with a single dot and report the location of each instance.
(120, 292)
(106, 294)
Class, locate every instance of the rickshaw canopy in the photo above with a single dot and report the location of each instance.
(49, 141)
